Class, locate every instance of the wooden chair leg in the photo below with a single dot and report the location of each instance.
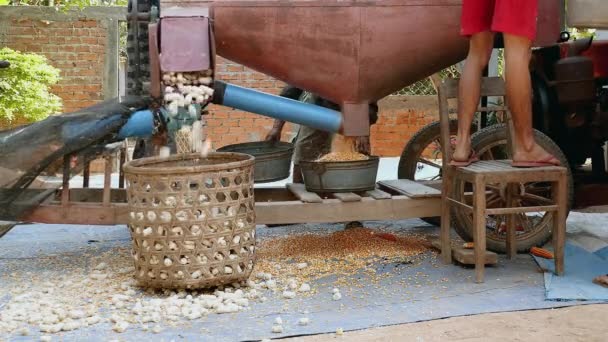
(560, 194)
(446, 246)
(479, 226)
(107, 181)
(511, 239)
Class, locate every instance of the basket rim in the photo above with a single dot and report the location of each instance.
(143, 165)
(370, 159)
(283, 145)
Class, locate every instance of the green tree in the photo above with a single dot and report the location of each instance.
(25, 87)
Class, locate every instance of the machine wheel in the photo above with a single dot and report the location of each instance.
(421, 157)
(536, 228)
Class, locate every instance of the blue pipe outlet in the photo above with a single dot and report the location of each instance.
(277, 107)
(140, 124)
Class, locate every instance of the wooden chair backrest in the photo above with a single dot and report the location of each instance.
(448, 89)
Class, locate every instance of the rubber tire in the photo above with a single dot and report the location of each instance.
(408, 161)
(489, 136)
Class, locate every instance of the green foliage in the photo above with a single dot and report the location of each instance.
(24, 87)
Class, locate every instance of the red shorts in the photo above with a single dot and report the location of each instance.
(516, 17)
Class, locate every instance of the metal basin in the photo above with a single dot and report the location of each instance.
(345, 176)
(272, 159)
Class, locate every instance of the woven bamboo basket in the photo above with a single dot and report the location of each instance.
(191, 219)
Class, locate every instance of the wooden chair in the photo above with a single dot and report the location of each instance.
(486, 172)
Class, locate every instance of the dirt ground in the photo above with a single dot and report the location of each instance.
(581, 323)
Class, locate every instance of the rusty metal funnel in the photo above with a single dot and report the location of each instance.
(351, 52)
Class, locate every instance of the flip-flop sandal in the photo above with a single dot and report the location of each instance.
(549, 161)
(472, 158)
(601, 280)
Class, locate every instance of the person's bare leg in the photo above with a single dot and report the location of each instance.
(519, 95)
(480, 50)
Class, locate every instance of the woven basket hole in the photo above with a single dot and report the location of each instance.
(203, 199)
(151, 216)
(184, 260)
(137, 215)
(228, 270)
(172, 246)
(182, 215)
(188, 200)
(146, 187)
(194, 186)
(189, 245)
(151, 274)
(250, 218)
(154, 260)
(171, 201)
(225, 182)
(155, 201)
(163, 275)
(176, 186)
(234, 195)
(221, 197)
(199, 214)
(165, 216)
(214, 271)
(209, 183)
(196, 274)
(158, 245)
(238, 180)
(201, 258)
(162, 231)
(195, 230)
(179, 275)
(221, 242)
(219, 256)
(177, 231)
(233, 255)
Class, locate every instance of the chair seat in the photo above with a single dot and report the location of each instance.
(501, 171)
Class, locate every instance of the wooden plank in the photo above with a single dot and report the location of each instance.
(479, 229)
(347, 196)
(334, 210)
(378, 194)
(299, 190)
(467, 256)
(410, 188)
(330, 210)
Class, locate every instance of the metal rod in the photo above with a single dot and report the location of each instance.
(65, 186)
(86, 173)
(121, 175)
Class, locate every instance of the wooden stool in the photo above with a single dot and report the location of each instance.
(483, 173)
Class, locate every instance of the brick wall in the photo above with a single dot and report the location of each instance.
(75, 42)
(74, 47)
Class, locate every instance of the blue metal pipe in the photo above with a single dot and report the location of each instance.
(140, 124)
(277, 107)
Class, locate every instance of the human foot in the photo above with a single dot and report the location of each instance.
(537, 157)
(463, 155)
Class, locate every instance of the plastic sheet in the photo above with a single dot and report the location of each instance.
(30, 151)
